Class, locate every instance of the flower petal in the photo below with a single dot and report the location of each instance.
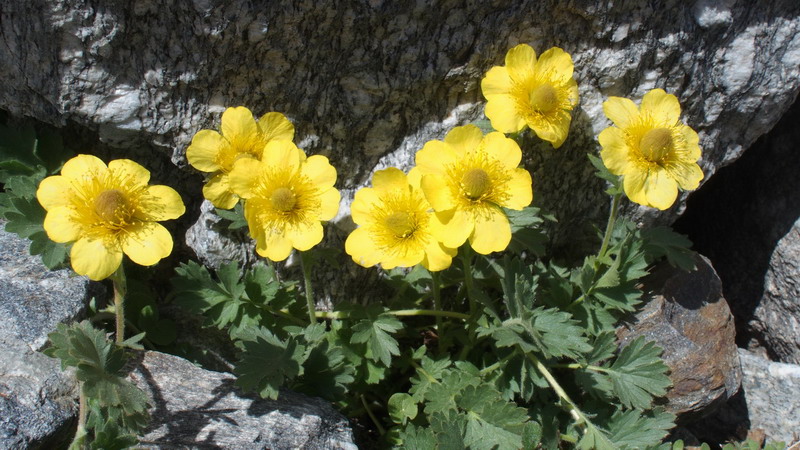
(502, 112)
(661, 190)
(621, 111)
(633, 184)
(277, 247)
(520, 62)
(555, 130)
(390, 179)
(360, 246)
(364, 203)
(492, 232)
(403, 256)
(438, 257)
(204, 149)
(329, 204)
(161, 203)
(464, 139)
(556, 63)
(217, 191)
(457, 226)
(615, 151)
(305, 236)
(319, 171)
(238, 125)
(434, 157)
(147, 243)
(55, 191)
(91, 257)
(663, 107)
(687, 175)
(83, 166)
(283, 155)
(519, 190)
(61, 225)
(275, 125)
(414, 178)
(691, 151)
(506, 151)
(497, 81)
(130, 173)
(244, 177)
(438, 193)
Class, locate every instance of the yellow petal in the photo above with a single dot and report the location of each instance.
(238, 125)
(502, 112)
(414, 178)
(661, 190)
(277, 247)
(390, 179)
(691, 150)
(55, 191)
(438, 193)
(161, 203)
(492, 232)
(520, 62)
(663, 107)
(519, 188)
(438, 257)
(61, 225)
(554, 131)
(615, 152)
(283, 155)
(504, 150)
(93, 259)
(83, 166)
(130, 172)
(572, 92)
(319, 171)
(244, 177)
(457, 226)
(329, 204)
(556, 63)
(360, 246)
(217, 191)
(403, 256)
(633, 185)
(363, 206)
(687, 175)
(275, 125)
(434, 157)
(147, 243)
(204, 149)
(305, 236)
(497, 81)
(464, 139)
(621, 111)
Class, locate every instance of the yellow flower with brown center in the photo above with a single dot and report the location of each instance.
(107, 211)
(396, 224)
(286, 197)
(241, 137)
(651, 148)
(468, 178)
(538, 93)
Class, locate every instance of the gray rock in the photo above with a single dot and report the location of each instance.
(688, 317)
(202, 409)
(214, 244)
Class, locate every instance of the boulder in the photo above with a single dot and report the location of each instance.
(689, 318)
(193, 407)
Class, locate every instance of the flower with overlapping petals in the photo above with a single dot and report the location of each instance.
(396, 224)
(538, 93)
(286, 197)
(241, 137)
(468, 178)
(107, 211)
(655, 153)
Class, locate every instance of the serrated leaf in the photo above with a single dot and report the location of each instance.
(549, 331)
(375, 331)
(492, 423)
(519, 286)
(234, 216)
(430, 372)
(527, 217)
(417, 438)
(665, 242)
(441, 397)
(595, 439)
(604, 174)
(639, 374)
(632, 429)
(266, 363)
(449, 429)
(402, 408)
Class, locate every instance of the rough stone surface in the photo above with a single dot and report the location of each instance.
(689, 318)
(367, 83)
(215, 244)
(201, 409)
(37, 400)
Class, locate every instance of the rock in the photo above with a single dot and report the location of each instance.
(37, 401)
(199, 408)
(688, 317)
(214, 244)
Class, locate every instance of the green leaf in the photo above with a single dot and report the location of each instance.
(441, 397)
(375, 331)
(417, 438)
(664, 242)
(492, 423)
(632, 429)
(429, 373)
(235, 216)
(519, 286)
(266, 363)
(604, 174)
(639, 374)
(402, 408)
(595, 439)
(549, 331)
(449, 428)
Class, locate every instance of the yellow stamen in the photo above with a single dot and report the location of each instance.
(400, 223)
(111, 205)
(283, 199)
(656, 144)
(475, 183)
(544, 99)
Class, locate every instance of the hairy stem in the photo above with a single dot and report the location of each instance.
(612, 217)
(466, 260)
(437, 299)
(574, 411)
(120, 289)
(329, 315)
(372, 417)
(306, 268)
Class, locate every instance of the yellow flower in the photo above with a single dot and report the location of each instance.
(538, 93)
(286, 196)
(241, 137)
(396, 224)
(654, 152)
(467, 179)
(107, 211)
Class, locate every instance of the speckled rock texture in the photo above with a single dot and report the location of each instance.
(196, 408)
(689, 318)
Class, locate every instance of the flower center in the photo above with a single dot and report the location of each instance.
(111, 206)
(656, 144)
(283, 199)
(475, 183)
(400, 223)
(544, 99)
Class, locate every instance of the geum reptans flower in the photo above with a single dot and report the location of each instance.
(468, 178)
(395, 224)
(286, 197)
(651, 148)
(241, 137)
(107, 211)
(538, 93)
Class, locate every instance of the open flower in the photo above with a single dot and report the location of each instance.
(538, 93)
(107, 211)
(241, 137)
(654, 152)
(286, 196)
(467, 179)
(396, 224)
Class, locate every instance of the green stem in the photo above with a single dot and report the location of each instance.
(306, 268)
(466, 259)
(419, 368)
(576, 366)
(330, 315)
(372, 417)
(120, 289)
(612, 217)
(576, 413)
(83, 410)
(437, 299)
